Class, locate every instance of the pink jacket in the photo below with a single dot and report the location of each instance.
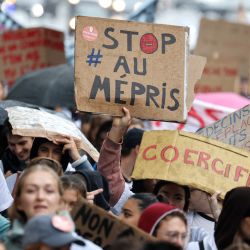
(109, 166)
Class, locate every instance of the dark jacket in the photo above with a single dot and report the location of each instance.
(11, 162)
(4, 129)
(94, 180)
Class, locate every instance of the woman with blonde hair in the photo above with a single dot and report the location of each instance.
(38, 192)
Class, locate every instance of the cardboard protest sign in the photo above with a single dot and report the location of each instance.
(24, 50)
(38, 123)
(219, 76)
(103, 228)
(201, 114)
(141, 66)
(192, 160)
(233, 129)
(225, 41)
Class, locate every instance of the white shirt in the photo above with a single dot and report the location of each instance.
(199, 220)
(5, 196)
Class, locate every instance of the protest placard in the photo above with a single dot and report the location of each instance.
(192, 160)
(24, 50)
(233, 129)
(226, 42)
(201, 114)
(38, 123)
(145, 67)
(103, 228)
(219, 76)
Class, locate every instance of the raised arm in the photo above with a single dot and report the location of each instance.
(110, 154)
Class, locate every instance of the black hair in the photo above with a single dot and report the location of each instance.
(162, 183)
(85, 117)
(236, 207)
(144, 199)
(160, 245)
(126, 151)
(5, 129)
(140, 186)
(37, 143)
(104, 128)
(132, 138)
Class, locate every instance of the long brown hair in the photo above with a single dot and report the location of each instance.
(13, 211)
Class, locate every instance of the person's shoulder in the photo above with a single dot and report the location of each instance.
(207, 243)
(11, 162)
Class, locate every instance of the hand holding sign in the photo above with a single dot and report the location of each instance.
(120, 126)
(145, 67)
(70, 146)
(103, 228)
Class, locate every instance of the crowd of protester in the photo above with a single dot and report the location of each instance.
(52, 177)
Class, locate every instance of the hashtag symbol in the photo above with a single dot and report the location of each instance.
(94, 58)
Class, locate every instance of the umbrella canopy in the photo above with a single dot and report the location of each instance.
(50, 87)
(3, 116)
(3, 125)
(39, 123)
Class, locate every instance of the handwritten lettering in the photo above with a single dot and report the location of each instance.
(153, 96)
(94, 222)
(232, 129)
(166, 39)
(200, 159)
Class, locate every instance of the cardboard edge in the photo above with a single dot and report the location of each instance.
(82, 202)
(77, 101)
(196, 65)
(75, 66)
(186, 66)
(216, 143)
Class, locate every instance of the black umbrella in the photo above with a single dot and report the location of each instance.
(50, 87)
(3, 117)
(3, 130)
(12, 103)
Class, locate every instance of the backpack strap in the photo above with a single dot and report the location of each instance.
(201, 245)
